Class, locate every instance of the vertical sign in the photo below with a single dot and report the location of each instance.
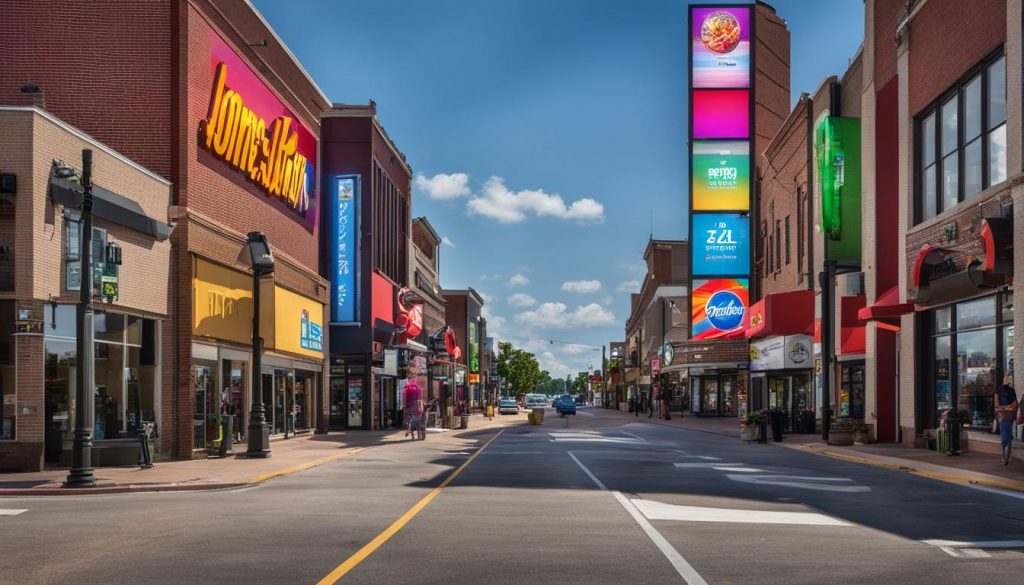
(343, 253)
(721, 131)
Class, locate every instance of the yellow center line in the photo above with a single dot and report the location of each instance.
(367, 550)
(303, 466)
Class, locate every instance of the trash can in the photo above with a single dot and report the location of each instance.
(225, 441)
(778, 424)
(538, 416)
(954, 433)
(464, 421)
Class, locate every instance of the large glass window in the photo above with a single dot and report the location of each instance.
(8, 390)
(962, 140)
(970, 348)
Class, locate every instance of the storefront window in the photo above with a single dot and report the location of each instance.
(233, 396)
(58, 380)
(971, 348)
(8, 394)
(304, 390)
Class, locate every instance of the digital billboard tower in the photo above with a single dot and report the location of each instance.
(721, 167)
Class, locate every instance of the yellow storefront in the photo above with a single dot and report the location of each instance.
(292, 364)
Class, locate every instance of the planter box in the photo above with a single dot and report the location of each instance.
(841, 438)
(748, 433)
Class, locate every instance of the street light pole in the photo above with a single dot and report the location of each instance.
(259, 430)
(80, 474)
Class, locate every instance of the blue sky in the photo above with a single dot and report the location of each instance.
(558, 128)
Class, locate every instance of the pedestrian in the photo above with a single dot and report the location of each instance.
(1006, 413)
(639, 403)
(632, 403)
(666, 399)
(412, 401)
(652, 401)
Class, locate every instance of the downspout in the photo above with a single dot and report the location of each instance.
(810, 191)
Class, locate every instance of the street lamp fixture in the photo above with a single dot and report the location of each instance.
(262, 259)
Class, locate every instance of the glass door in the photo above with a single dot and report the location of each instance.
(779, 396)
(729, 388)
(355, 402)
(803, 407)
(202, 389)
(709, 395)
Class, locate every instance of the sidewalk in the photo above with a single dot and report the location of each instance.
(973, 467)
(287, 456)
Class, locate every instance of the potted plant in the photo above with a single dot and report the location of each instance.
(862, 433)
(752, 422)
(841, 433)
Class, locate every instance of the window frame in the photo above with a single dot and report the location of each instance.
(958, 91)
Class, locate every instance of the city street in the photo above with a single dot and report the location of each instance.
(597, 498)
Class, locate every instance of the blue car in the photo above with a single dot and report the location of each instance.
(565, 405)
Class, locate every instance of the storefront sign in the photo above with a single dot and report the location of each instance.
(668, 353)
(222, 303)
(721, 113)
(837, 142)
(779, 353)
(310, 333)
(343, 252)
(718, 307)
(655, 366)
(390, 362)
(720, 45)
(721, 244)
(474, 353)
(721, 176)
(297, 323)
(473, 378)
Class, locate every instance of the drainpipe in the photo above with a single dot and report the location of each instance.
(810, 190)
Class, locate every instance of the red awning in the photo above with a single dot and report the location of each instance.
(788, 313)
(852, 333)
(887, 305)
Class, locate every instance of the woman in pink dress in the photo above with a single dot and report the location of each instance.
(412, 404)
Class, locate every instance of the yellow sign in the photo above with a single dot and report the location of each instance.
(222, 303)
(473, 378)
(267, 153)
(296, 321)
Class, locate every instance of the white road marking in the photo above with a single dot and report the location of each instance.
(803, 482)
(977, 544)
(12, 511)
(708, 465)
(591, 437)
(686, 571)
(739, 469)
(950, 551)
(975, 553)
(654, 510)
(992, 490)
(627, 433)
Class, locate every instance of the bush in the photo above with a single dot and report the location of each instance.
(754, 418)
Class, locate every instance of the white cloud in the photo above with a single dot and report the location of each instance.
(582, 286)
(629, 286)
(486, 297)
(518, 280)
(444, 187)
(548, 361)
(522, 300)
(638, 268)
(447, 242)
(494, 322)
(557, 316)
(497, 201)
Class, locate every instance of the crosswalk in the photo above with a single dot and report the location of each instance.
(594, 437)
(12, 511)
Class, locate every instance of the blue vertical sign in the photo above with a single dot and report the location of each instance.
(343, 235)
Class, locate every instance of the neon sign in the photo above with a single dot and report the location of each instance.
(266, 152)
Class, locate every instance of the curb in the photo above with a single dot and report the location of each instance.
(174, 487)
(954, 478)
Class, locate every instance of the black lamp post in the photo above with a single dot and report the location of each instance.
(259, 430)
(80, 474)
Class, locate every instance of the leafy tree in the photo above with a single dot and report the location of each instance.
(582, 382)
(518, 368)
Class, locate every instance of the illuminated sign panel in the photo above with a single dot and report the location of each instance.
(721, 113)
(720, 47)
(342, 250)
(718, 306)
(721, 176)
(837, 143)
(250, 130)
(720, 244)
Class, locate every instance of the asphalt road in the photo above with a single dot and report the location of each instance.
(592, 499)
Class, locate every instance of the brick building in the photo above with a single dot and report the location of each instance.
(464, 314)
(40, 276)
(942, 141)
(207, 96)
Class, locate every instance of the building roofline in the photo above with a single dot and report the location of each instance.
(288, 52)
(430, 228)
(83, 136)
(339, 110)
(470, 292)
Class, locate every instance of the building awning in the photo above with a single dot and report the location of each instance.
(787, 313)
(111, 207)
(852, 332)
(886, 306)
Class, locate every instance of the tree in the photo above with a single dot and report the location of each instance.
(518, 367)
(582, 382)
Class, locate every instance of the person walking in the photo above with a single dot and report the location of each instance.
(412, 401)
(632, 402)
(639, 403)
(1006, 412)
(652, 402)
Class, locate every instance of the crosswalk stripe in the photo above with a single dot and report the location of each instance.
(654, 510)
(12, 511)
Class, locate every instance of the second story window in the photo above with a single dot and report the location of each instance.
(961, 140)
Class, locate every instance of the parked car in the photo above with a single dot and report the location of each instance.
(536, 401)
(565, 405)
(508, 407)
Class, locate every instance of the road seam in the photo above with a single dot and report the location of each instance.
(680, 564)
(369, 548)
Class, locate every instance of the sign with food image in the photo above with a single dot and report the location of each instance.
(720, 38)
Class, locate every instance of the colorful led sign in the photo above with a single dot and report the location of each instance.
(720, 47)
(343, 251)
(721, 176)
(720, 244)
(721, 113)
(837, 143)
(718, 306)
(252, 131)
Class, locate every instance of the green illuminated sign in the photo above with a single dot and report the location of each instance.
(837, 144)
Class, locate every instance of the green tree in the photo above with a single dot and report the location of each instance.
(582, 381)
(518, 368)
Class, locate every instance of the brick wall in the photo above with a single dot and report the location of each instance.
(948, 37)
(771, 83)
